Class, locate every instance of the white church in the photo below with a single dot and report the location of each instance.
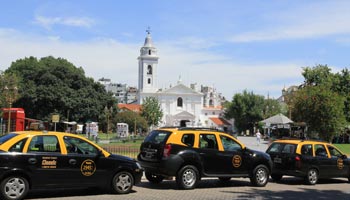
(181, 105)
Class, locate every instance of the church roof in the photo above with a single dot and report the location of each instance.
(181, 89)
(184, 115)
(219, 121)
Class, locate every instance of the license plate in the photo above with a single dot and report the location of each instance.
(277, 160)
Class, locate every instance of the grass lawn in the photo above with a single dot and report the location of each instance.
(345, 148)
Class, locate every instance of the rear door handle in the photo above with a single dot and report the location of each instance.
(72, 161)
(32, 161)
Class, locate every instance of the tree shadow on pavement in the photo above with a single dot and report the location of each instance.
(204, 184)
(303, 193)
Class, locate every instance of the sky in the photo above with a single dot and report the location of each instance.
(260, 46)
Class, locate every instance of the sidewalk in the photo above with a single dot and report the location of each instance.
(251, 143)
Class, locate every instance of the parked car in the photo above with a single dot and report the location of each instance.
(34, 159)
(192, 153)
(308, 159)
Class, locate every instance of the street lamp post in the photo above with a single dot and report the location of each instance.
(10, 96)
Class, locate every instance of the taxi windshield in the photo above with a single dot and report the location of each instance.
(6, 137)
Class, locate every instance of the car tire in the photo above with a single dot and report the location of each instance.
(152, 178)
(311, 176)
(122, 182)
(260, 176)
(14, 187)
(187, 177)
(276, 177)
(224, 179)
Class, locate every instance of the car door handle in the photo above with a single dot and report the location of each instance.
(72, 161)
(32, 161)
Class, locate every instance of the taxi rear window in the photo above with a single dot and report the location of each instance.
(282, 148)
(7, 137)
(157, 136)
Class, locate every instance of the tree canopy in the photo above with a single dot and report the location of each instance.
(323, 101)
(151, 111)
(248, 109)
(55, 86)
(321, 109)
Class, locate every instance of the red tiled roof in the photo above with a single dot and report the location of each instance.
(213, 107)
(131, 107)
(219, 121)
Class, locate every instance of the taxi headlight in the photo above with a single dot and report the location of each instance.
(138, 165)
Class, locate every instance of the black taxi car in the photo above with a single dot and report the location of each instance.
(308, 159)
(192, 153)
(36, 160)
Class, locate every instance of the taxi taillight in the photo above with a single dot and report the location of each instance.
(167, 149)
(297, 162)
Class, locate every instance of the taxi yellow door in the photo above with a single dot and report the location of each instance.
(43, 160)
(83, 163)
(233, 157)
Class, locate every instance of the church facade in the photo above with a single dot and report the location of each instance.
(181, 105)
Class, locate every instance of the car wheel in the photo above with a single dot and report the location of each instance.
(187, 177)
(14, 187)
(260, 176)
(276, 177)
(224, 179)
(122, 182)
(312, 176)
(152, 178)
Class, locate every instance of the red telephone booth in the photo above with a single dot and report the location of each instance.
(17, 122)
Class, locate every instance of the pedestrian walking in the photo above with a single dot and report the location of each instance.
(258, 137)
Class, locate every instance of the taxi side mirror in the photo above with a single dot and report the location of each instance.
(344, 157)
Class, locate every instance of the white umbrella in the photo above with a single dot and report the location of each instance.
(277, 119)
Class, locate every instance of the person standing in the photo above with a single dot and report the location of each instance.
(258, 137)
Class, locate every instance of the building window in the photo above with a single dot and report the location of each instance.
(179, 102)
(149, 69)
(149, 52)
(149, 81)
(211, 103)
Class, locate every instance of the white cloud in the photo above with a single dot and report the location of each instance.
(48, 22)
(312, 21)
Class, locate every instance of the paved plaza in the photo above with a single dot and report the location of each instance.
(251, 143)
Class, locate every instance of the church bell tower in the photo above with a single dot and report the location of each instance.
(148, 61)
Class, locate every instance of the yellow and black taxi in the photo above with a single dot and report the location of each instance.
(192, 153)
(37, 160)
(308, 159)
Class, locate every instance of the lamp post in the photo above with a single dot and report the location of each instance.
(10, 94)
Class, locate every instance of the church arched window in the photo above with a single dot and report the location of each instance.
(149, 81)
(149, 52)
(179, 102)
(211, 103)
(149, 69)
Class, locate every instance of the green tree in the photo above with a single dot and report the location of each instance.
(55, 86)
(247, 110)
(343, 88)
(321, 109)
(271, 107)
(132, 119)
(151, 111)
(318, 75)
